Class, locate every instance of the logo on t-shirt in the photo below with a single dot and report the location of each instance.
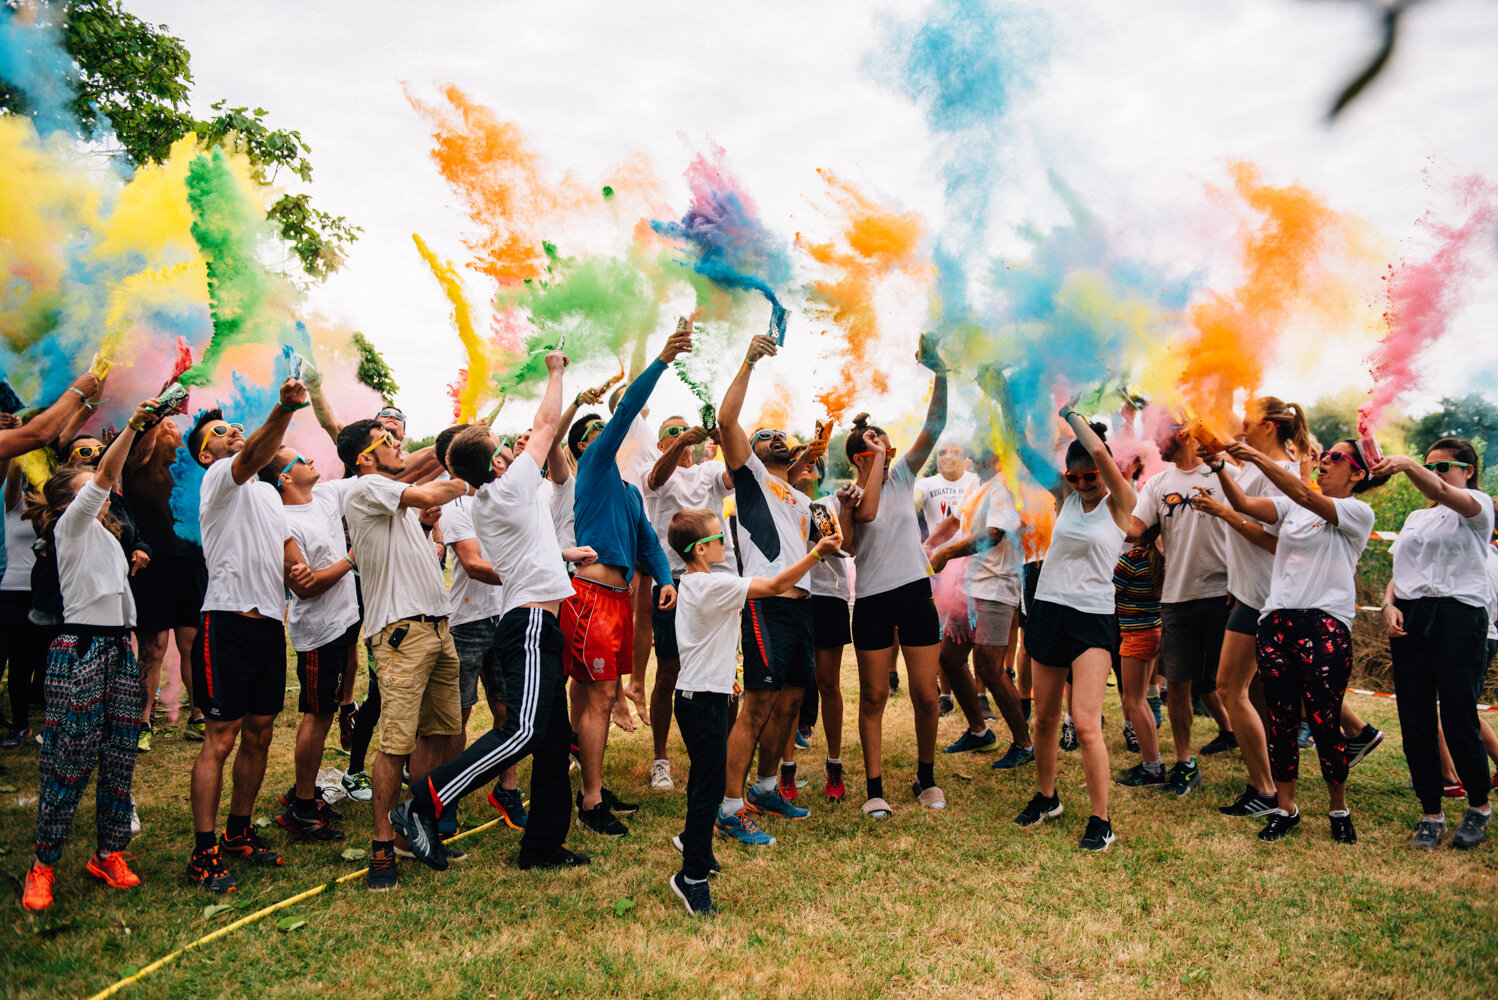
(1174, 500)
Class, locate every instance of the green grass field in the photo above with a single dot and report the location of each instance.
(954, 904)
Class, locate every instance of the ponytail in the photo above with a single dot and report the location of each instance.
(1289, 420)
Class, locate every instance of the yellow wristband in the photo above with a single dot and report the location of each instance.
(818, 556)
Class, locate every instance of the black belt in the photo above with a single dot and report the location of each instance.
(431, 619)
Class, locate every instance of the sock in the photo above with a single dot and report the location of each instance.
(764, 784)
(1339, 813)
(1024, 707)
(730, 807)
(661, 760)
(1436, 818)
(835, 761)
(1068, 719)
(239, 826)
(304, 807)
(1153, 691)
(1485, 809)
(788, 765)
(876, 787)
(924, 775)
(203, 841)
(382, 845)
(1154, 766)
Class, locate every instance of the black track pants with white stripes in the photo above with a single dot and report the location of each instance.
(529, 641)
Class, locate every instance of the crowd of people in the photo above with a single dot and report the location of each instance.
(1223, 584)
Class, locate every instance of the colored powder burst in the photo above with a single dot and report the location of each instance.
(249, 305)
(187, 490)
(474, 382)
(501, 182)
(872, 243)
(1423, 295)
(722, 233)
(33, 61)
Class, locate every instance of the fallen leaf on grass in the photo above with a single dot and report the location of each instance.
(262, 822)
(214, 909)
(4, 850)
(352, 854)
(8, 788)
(623, 906)
(964, 776)
(126, 971)
(290, 923)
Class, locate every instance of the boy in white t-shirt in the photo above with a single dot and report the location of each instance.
(707, 627)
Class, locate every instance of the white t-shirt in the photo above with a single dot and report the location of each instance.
(829, 578)
(697, 486)
(1078, 567)
(396, 565)
(1439, 553)
(1194, 542)
(1492, 568)
(1316, 560)
(560, 500)
(774, 521)
(469, 599)
(244, 543)
(940, 497)
(317, 529)
(91, 566)
(707, 630)
(994, 574)
(1250, 567)
(637, 454)
(19, 537)
(515, 528)
(888, 550)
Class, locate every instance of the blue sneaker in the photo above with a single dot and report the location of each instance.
(741, 827)
(1154, 703)
(773, 802)
(968, 742)
(803, 739)
(1016, 756)
(447, 822)
(510, 806)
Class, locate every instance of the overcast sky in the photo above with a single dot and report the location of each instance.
(1140, 104)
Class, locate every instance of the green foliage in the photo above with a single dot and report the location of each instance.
(1471, 417)
(374, 372)
(416, 444)
(132, 88)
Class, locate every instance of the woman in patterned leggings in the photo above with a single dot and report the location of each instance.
(1304, 642)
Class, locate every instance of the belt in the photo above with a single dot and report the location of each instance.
(431, 619)
(695, 695)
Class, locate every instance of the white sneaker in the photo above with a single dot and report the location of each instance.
(134, 818)
(660, 775)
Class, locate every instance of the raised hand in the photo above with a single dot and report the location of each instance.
(680, 341)
(762, 346)
(293, 394)
(556, 361)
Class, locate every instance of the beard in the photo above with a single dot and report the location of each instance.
(390, 470)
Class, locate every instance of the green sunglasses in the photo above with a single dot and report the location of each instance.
(702, 541)
(1441, 468)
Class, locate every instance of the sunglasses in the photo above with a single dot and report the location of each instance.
(1337, 457)
(500, 451)
(88, 451)
(588, 430)
(675, 431)
(1080, 477)
(764, 435)
(1441, 468)
(889, 456)
(391, 412)
(222, 430)
(384, 439)
(293, 462)
(703, 541)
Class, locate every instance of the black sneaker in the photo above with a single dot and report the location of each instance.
(967, 742)
(1428, 833)
(251, 848)
(1039, 810)
(697, 898)
(1139, 775)
(1472, 829)
(421, 835)
(1363, 744)
(1342, 831)
(453, 852)
(510, 805)
(1250, 803)
(207, 869)
(560, 858)
(1015, 756)
(313, 827)
(713, 868)
(618, 805)
(1099, 835)
(1068, 737)
(1131, 742)
(1280, 824)
(383, 874)
(1222, 743)
(945, 705)
(1183, 777)
(894, 682)
(600, 819)
(324, 810)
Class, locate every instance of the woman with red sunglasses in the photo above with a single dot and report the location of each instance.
(1073, 624)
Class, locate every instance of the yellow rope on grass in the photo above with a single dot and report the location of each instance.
(244, 921)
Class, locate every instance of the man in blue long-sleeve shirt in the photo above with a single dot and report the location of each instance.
(598, 620)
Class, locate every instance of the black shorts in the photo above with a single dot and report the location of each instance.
(320, 673)
(169, 592)
(776, 636)
(1058, 634)
(829, 622)
(1031, 572)
(1191, 641)
(238, 666)
(909, 610)
(663, 625)
(1243, 619)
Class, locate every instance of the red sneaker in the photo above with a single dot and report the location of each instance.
(834, 788)
(113, 870)
(1453, 789)
(36, 889)
(787, 783)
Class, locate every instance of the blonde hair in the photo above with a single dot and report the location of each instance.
(1289, 421)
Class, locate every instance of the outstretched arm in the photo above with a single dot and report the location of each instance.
(787, 578)
(936, 410)
(320, 408)
(113, 462)
(260, 447)
(1289, 483)
(1433, 486)
(671, 457)
(1121, 498)
(44, 428)
(605, 447)
(736, 449)
(549, 414)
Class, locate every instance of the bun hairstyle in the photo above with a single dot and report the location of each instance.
(1077, 455)
(1368, 482)
(853, 445)
(1464, 452)
(1289, 420)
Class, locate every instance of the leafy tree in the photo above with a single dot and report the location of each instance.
(131, 90)
(374, 372)
(1471, 417)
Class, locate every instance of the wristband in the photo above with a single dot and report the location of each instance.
(74, 388)
(1386, 607)
(131, 424)
(350, 560)
(293, 409)
(1069, 414)
(818, 556)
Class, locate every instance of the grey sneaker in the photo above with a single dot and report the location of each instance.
(1428, 834)
(1472, 829)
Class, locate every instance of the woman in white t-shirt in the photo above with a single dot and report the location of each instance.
(94, 693)
(1304, 642)
(1435, 611)
(1273, 427)
(1072, 627)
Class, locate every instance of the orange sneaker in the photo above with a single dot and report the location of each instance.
(113, 870)
(36, 890)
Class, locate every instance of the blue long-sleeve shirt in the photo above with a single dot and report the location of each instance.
(610, 512)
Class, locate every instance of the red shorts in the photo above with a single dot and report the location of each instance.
(598, 632)
(1143, 644)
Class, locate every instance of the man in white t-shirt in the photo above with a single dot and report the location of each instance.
(941, 496)
(322, 621)
(239, 654)
(514, 527)
(405, 621)
(1194, 600)
(673, 484)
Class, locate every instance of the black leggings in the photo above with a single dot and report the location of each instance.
(1439, 666)
(24, 651)
(1305, 656)
(365, 722)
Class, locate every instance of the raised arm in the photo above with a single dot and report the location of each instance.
(1247, 525)
(1121, 497)
(1289, 483)
(549, 414)
(261, 446)
(736, 448)
(1260, 508)
(605, 447)
(45, 427)
(113, 462)
(320, 408)
(871, 479)
(1433, 486)
(671, 457)
(787, 578)
(936, 410)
